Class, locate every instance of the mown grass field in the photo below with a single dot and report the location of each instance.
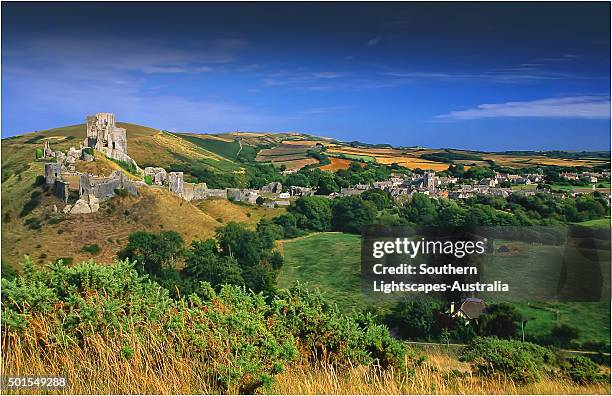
(599, 223)
(331, 262)
(328, 261)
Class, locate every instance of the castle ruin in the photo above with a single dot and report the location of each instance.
(104, 136)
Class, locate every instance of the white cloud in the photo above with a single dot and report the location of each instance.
(300, 77)
(147, 55)
(586, 107)
(372, 42)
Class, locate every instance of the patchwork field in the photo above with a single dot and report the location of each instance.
(516, 161)
(413, 158)
(293, 156)
(390, 156)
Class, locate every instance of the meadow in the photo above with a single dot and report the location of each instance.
(331, 262)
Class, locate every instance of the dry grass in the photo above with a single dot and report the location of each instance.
(162, 149)
(166, 365)
(226, 211)
(404, 158)
(98, 367)
(102, 166)
(154, 210)
(426, 380)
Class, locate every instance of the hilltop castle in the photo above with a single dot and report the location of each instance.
(104, 136)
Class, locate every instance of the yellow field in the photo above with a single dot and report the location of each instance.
(535, 160)
(390, 156)
(339, 163)
(413, 163)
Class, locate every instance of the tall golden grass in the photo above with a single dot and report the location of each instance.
(154, 364)
(434, 377)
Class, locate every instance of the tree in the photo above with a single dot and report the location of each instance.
(327, 184)
(248, 249)
(276, 260)
(203, 264)
(563, 334)
(153, 252)
(479, 172)
(500, 321)
(381, 199)
(312, 213)
(414, 319)
(450, 214)
(237, 241)
(268, 233)
(420, 209)
(352, 214)
(288, 224)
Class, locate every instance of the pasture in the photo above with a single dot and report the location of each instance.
(330, 261)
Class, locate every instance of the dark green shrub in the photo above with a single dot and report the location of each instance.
(148, 179)
(522, 362)
(65, 260)
(582, 370)
(563, 334)
(92, 249)
(33, 223)
(88, 150)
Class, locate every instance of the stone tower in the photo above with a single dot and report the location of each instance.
(103, 135)
(429, 180)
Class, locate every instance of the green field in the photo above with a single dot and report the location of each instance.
(228, 150)
(328, 261)
(525, 187)
(331, 263)
(364, 158)
(598, 223)
(600, 185)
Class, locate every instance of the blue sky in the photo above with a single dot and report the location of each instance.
(484, 76)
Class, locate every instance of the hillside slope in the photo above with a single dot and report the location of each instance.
(46, 235)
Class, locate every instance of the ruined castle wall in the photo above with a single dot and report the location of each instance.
(193, 191)
(53, 172)
(216, 193)
(104, 187)
(61, 190)
(175, 183)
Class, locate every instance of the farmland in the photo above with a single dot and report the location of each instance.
(293, 156)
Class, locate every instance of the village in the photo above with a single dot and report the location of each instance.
(105, 137)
